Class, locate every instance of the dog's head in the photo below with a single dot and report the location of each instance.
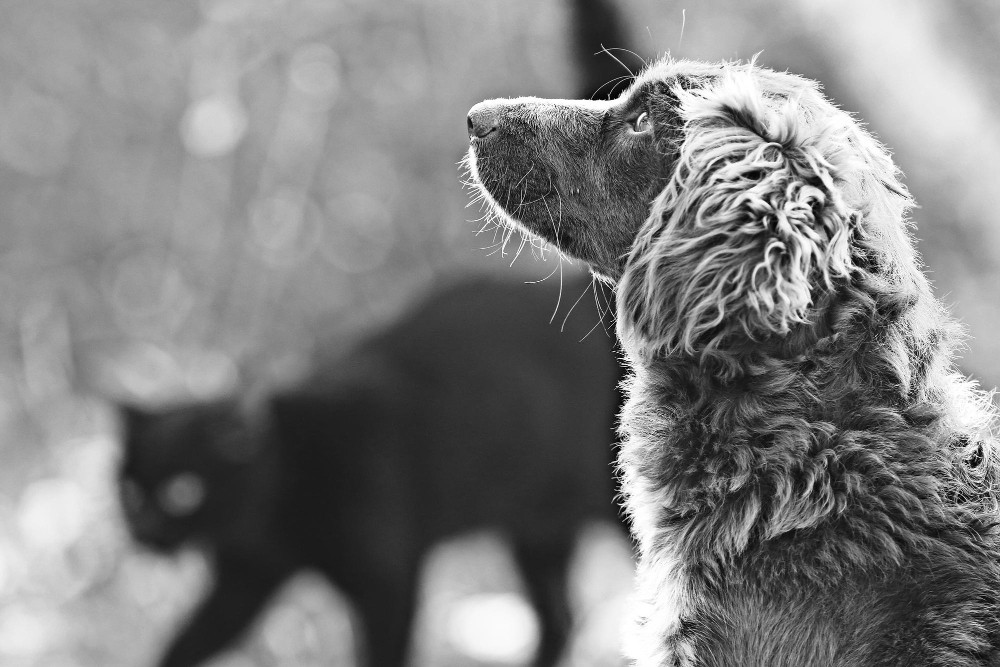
(579, 174)
(726, 200)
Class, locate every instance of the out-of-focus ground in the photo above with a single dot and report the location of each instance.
(191, 187)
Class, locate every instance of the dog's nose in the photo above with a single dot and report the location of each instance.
(482, 120)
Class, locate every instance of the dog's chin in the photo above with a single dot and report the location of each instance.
(565, 241)
(538, 216)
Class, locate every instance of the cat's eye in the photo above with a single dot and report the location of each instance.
(182, 494)
(642, 124)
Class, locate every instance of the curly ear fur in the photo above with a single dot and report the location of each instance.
(751, 225)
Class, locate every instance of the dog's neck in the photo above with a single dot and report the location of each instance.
(799, 437)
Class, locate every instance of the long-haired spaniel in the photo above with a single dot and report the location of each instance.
(810, 480)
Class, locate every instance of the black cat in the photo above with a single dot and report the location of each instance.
(474, 411)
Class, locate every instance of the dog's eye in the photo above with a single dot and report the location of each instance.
(642, 124)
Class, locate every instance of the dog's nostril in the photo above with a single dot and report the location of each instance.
(481, 121)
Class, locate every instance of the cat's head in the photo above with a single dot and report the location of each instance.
(185, 471)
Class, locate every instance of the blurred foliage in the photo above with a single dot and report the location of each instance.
(191, 190)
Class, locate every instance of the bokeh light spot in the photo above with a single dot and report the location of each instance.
(12, 562)
(52, 513)
(275, 221)
(306, 624)
(496, 627)
(285, 227)
(165, 587)
(210, 374)
(214, 125)
(147, 290)
(315, 71)
(360, 233)
(289, 633)
(145, 372)
(23, 633)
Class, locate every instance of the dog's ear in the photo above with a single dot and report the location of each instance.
(750, 228)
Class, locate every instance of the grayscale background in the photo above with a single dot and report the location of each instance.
(188, 188)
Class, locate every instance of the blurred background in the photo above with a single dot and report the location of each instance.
(190, 188)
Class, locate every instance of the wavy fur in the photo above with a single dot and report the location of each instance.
(750, 218)
(794, 387)
(810, 480)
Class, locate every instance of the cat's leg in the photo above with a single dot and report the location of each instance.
(544, 568)
(242, 586)
(386, 608)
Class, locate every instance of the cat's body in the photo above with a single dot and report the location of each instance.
(472, 412)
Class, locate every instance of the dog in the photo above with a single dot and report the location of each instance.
(810, 480)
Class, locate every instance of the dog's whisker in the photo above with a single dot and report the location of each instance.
(555, 310)
(632, 53)
(605, 308)
(618, 60)
(552, 222)
(520, 247)
(612, 83)
(541, 280)
(562, 327)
